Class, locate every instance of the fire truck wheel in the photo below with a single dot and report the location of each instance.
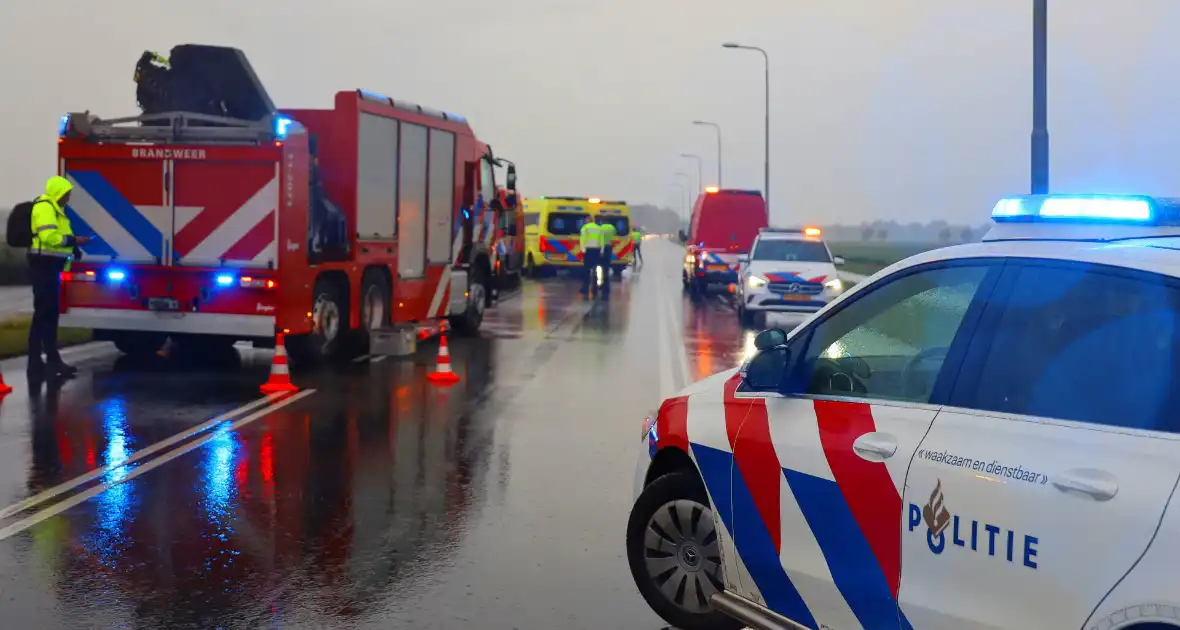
(469, 322)
(328, 338)
(140, 344)
(374, 302)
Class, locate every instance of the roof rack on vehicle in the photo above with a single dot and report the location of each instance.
(175, 128)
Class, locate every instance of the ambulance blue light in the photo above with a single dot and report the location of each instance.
(63, 125)
(282, 125)
(1133, 209)
(116, 275)
(224, 279)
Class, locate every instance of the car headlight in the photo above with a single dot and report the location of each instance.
(756, 282)
(835, 284)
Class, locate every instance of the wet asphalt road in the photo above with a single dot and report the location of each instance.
(372, 499)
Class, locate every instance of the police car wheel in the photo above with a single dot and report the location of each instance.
(674, 553)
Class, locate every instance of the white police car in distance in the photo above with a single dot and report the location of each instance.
(982, 436)
(786, 271)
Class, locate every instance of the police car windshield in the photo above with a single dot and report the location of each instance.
(566, 223)
(622, 225)
(791, 251)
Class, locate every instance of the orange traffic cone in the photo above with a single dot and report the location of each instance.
(442, 375)
(280, 377)
(5, 389)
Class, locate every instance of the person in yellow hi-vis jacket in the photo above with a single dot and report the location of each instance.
(609, 234)
(52, 250)
(591, 240)
(637, 240)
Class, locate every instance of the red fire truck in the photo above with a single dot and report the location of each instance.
(325, 224)
(507, 244)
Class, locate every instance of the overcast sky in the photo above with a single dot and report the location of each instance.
(907, 109)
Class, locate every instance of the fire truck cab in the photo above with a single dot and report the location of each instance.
(230, 219)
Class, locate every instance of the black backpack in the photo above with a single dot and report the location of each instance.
(19, 232)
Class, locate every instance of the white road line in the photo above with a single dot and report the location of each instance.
(379, 359)
(45, 495)
(667, 386)
(80, 498)
(678, 341)
(361, 359)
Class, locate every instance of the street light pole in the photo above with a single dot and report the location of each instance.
(1039, 170)
(716, 128)
(683, 204)
(700, 177)
(766, 68)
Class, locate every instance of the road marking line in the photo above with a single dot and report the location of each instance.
(80, 498)
(667, 386)
(66, 486)
(361, 359)
(379, 359)
(678, 341)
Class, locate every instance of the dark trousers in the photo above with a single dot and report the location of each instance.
(589, 271)
(604, 260)
(638, 254)
(45, 273)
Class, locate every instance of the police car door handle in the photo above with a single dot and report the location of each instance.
(1096, 484)
(876, 446)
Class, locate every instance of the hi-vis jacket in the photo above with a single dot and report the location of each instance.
(591, 236)
(52, 235)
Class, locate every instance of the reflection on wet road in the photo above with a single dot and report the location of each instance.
(169, 495)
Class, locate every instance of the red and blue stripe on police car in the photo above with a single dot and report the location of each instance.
(852, 507)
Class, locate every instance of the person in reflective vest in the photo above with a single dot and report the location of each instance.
(636, 239)
(591, 241)
(54, 246)
(610, 234)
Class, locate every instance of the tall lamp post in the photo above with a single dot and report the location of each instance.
(717, 128)
(1039, 170)
(700, 177)
(766, 164)
(683, 194)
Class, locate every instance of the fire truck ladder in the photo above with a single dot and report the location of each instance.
(175, 128)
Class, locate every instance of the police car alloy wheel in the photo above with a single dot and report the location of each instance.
(674, 552)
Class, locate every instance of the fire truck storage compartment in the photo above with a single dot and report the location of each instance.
(411, 202)
(406, 190)
(440, 211)
(225, 213)
(123, 203)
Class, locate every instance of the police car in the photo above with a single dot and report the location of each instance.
(786, 271)
(982, 436)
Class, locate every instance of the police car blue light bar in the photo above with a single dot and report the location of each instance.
(1132, 209)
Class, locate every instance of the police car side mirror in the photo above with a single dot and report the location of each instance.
(770, 338)
(511, 178)
(768, 369)
(838, 260)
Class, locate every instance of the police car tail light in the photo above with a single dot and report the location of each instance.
(756, 282)
(250, 282)
(1127, 209)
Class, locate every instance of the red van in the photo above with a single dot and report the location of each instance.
(724, 224)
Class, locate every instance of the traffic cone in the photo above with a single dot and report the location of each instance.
(280, 376)
(5, 389)
(442, 375)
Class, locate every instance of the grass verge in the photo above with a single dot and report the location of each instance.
(867, 259)
(14, 336)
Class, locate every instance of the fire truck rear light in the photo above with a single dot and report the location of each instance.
(224, 279)
(250, 282)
